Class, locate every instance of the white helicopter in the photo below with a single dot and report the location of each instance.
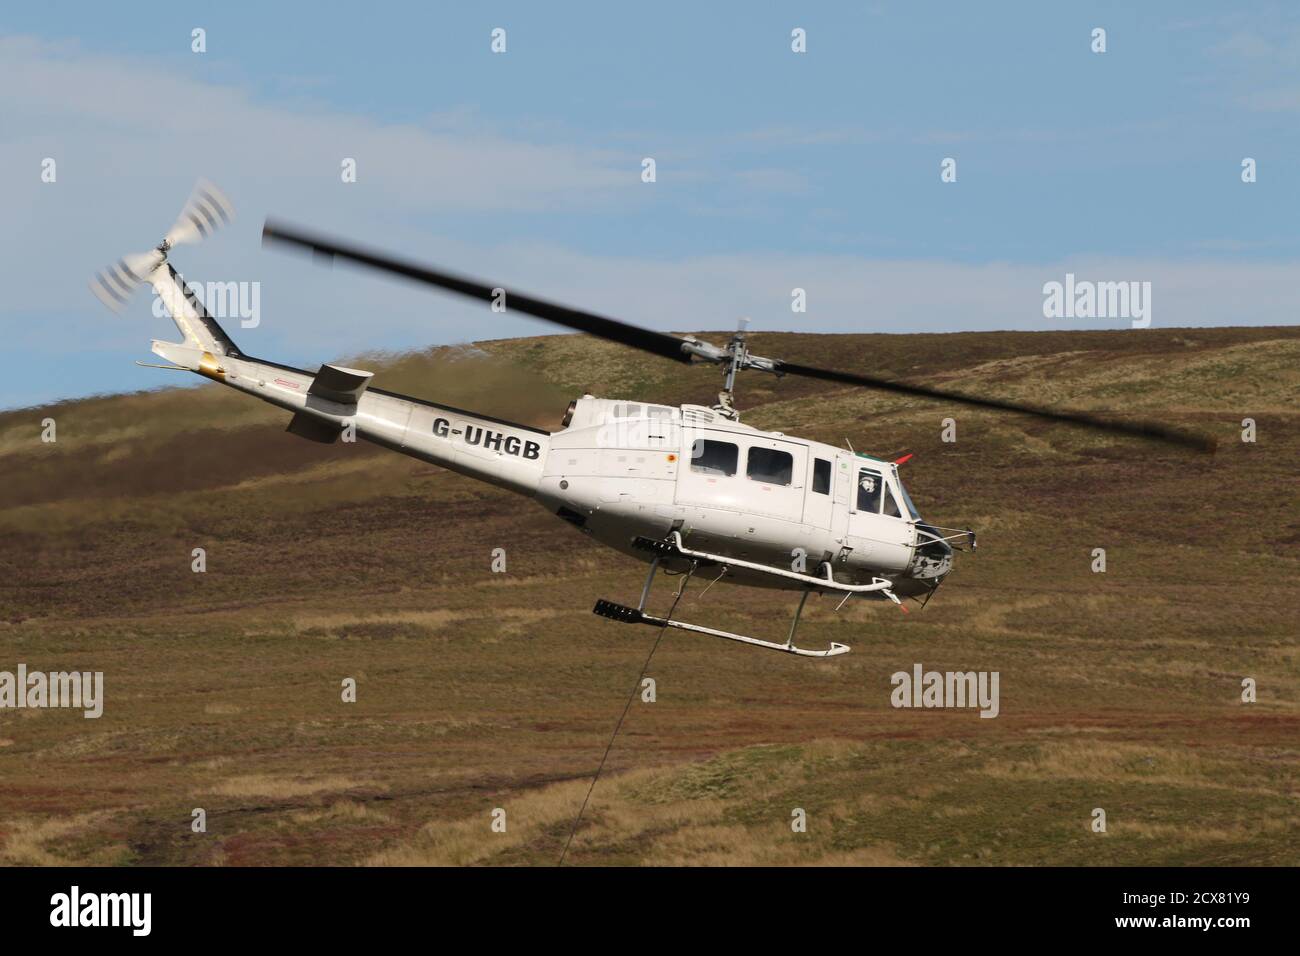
(687, 488)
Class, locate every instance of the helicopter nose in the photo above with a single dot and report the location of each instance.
(933, 556)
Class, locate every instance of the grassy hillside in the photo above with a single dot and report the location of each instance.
(479, 691)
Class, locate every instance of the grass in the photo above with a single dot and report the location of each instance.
(479, 691)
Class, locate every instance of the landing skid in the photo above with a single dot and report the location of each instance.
(673, 547)
(631, 615)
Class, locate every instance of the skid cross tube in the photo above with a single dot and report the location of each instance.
(649, 580)
(794, 625)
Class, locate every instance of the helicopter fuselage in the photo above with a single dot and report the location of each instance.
(623, 470)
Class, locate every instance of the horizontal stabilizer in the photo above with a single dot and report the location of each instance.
(338, 384)
(308, 426)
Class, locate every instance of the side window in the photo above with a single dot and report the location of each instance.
(770, 466)
(891, 506)
(714, 457)
(821, 476)
(869, 489)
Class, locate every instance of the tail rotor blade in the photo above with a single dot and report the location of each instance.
(108, 290)
(115, 284)
(208, 210)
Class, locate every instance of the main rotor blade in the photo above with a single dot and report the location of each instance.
(680, 350)
(659, 343)
(1149, 430)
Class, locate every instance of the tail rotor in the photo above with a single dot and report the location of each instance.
(206, 211)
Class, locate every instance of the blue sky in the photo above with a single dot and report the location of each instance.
(775, 169)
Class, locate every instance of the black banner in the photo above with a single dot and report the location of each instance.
(981, 906)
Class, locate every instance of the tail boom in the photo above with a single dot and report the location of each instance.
(337, 401)
(506, 454)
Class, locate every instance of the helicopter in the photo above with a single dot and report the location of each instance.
(688, 489)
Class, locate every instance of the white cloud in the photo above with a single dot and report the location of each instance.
(851, 294)
(131, 136)
(1273, 101)
(149, 118)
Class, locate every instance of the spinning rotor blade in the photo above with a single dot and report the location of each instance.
(115, 284)
(684, 349)
(207, 210)
(1150, 430)
(668, 346)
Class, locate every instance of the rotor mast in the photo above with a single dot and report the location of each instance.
(735, 362)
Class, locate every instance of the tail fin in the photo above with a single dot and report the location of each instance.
(206, 209)
(200, 330)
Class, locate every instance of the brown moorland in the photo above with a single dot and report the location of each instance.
(478, 690)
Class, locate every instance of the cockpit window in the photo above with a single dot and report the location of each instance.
(907, 502)
(870, 485)
(877, 495)
(891, 506)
